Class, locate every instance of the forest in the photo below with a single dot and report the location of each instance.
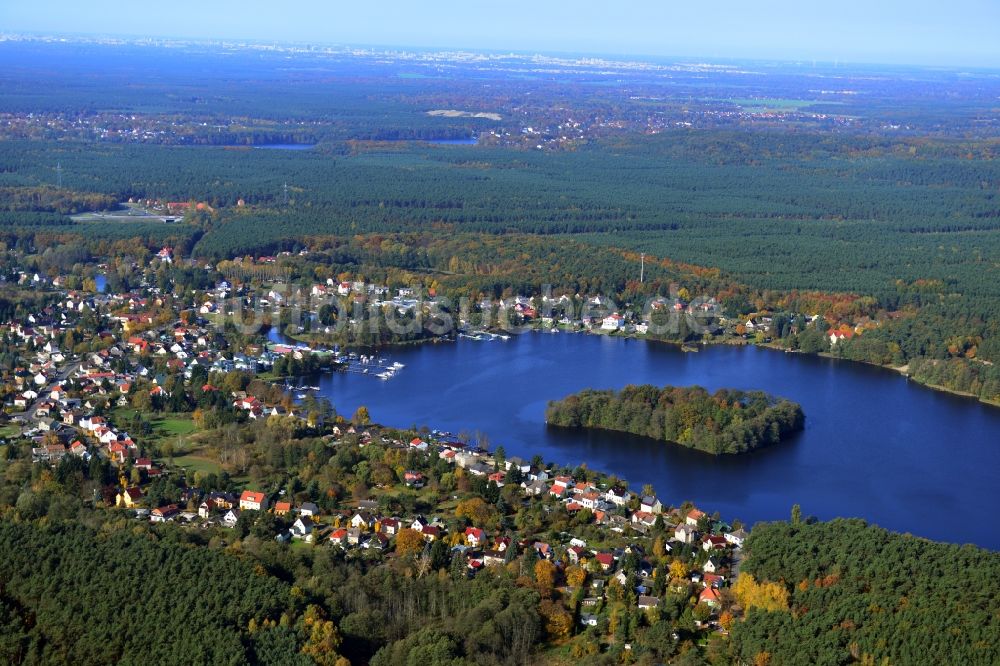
(861, 594)
(127, 595)
(725, 422)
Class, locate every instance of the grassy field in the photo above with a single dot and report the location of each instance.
(192, 463)
(9, 430)
(173, 426)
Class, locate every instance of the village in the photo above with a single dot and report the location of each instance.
(145, 358)
(95, 370)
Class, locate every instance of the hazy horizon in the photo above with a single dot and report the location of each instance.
(894, 32)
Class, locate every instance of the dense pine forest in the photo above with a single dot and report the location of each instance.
(726, 421)
(855, 593)
(71, 595)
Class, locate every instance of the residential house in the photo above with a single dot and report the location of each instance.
(710, 597)
(613, 322)
(163, 513)
(651, 504)
(606, 560)
(618, 496)
(362, 520)
(685, 533)
(736, 537)
(474, 536)
(648, 603)
(302, 528)
(389, 526)
(129, 498)
(252, 500)
(207, 508)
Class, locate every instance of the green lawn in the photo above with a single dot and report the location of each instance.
(195, 463)
(10, 430)
(173, 426)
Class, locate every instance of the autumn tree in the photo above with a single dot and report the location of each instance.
(575, 576)
(557, 620)
(323, 638)
(545, 577)
(361, 416)
(678, 570)
(409, 542)
(766, 596)
(726, 620)
(476, 510)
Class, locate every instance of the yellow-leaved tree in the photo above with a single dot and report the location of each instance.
(324, 639)
(575, 576)
(678, 570)
(409, 542)
(766, 596)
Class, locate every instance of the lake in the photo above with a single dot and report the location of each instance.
(875, 445)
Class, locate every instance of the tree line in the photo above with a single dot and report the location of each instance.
(728, 421)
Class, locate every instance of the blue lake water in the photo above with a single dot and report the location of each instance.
(875, 446)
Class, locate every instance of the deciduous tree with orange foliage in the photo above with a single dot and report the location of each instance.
(558, 622)
(545, 577)
(409, 542)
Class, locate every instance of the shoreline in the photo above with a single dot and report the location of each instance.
(690, 347)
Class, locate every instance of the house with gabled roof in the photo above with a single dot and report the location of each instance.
(251, 500)
(474, 536)
(651, 504)
(130, 497)
(606, 560)
(302, 528)
(710, 596)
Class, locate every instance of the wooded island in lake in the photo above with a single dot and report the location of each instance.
(727, 421)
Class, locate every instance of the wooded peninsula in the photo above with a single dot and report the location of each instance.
(727, 421)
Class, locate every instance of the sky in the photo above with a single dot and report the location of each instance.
(920, 32)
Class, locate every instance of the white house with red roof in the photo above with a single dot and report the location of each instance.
(474, 536)
(693, 516)
(836, 336)
(253, 501)
(613, 322)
